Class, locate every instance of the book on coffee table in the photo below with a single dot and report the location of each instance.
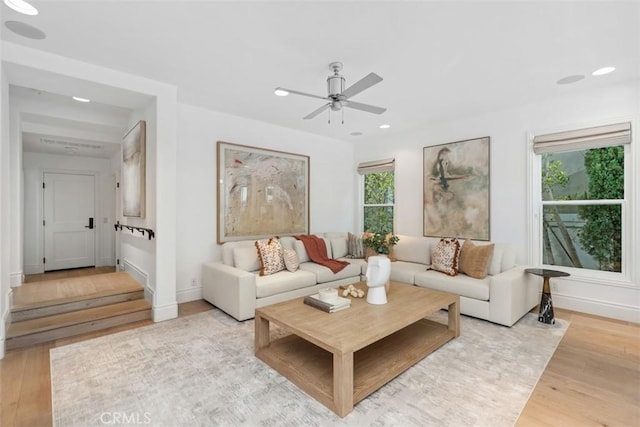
(335, 304)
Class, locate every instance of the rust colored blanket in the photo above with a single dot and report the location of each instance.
(317, 251)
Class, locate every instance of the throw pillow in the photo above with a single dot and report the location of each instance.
(355, 248)
(246, 258)
(474, 260)
(339, 247)
(445, 256)
(271, 257)
(291, 260)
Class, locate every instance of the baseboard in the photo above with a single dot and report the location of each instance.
(191, 294)
(610, 310)
(166, 312)
(16, 279)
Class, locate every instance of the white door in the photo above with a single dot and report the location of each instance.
(69, 233)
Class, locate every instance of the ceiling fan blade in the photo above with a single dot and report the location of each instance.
(301, 93)
(364, 107)
(318, 111)
(362, 84)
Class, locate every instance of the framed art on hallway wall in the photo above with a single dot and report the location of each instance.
(261, 193)
(456, 189)
(133, 171)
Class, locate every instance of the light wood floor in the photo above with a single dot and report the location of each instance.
(593, 379)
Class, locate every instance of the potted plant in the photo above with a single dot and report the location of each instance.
(380, 243)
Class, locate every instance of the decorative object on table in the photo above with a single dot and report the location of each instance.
(378, 272)
(330, 306)
(380, 243)
(352, 291)
(261, 193)
(133, 171)
(327, 294)
(456, 189)
(546, 314)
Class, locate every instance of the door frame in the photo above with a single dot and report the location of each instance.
(96, 205)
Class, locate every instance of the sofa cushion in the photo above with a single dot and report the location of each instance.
(413, 249)
(303, 256)
(404, 272)
(339, 247)
(461, 284)
(445, 256)
(246, 258)
(290, 260)
(271, 259)
(324, 274)
(283, 281)
(227, 250)
(474, 260)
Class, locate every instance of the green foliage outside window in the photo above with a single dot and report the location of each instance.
(378, 202)
(601, 234)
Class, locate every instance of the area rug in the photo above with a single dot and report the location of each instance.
(200, 370)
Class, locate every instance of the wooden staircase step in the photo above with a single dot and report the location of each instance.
(24, 313)
(43, 329)
(53, 292)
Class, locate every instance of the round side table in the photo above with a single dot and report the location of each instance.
(546, 306)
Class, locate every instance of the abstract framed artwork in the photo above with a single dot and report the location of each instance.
(133, 171)
(261, 193)
(456, 189)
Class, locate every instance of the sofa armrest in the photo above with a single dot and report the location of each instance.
(230, 289)
(512, 294)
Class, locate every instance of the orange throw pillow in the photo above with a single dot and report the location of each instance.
(474, 259)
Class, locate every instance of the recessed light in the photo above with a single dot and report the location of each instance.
(77, 98)
(21, 6)
(25, 30)
(355, 133)
(281, 92)
(570, 79)
(602, 71)
(385, 126)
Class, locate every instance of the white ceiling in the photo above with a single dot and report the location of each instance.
(438, 59)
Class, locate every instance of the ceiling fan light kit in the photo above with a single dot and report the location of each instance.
(337, 95)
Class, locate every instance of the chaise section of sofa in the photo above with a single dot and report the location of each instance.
(235, 286)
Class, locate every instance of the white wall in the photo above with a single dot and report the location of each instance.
(509, 131)
(35, 164)
(137, 250)
(332, 170)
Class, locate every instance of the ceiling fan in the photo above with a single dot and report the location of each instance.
(338, 96)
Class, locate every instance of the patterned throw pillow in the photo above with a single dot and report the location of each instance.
(355, 248)
(445, 256)
(271, 256)
(474, 260)
(291, 260)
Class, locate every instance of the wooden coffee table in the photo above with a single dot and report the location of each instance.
(341, 358)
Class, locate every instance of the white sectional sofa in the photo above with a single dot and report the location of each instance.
(504, 296)
(234, 285)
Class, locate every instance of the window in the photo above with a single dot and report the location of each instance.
(378, 195)
(582, 197)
